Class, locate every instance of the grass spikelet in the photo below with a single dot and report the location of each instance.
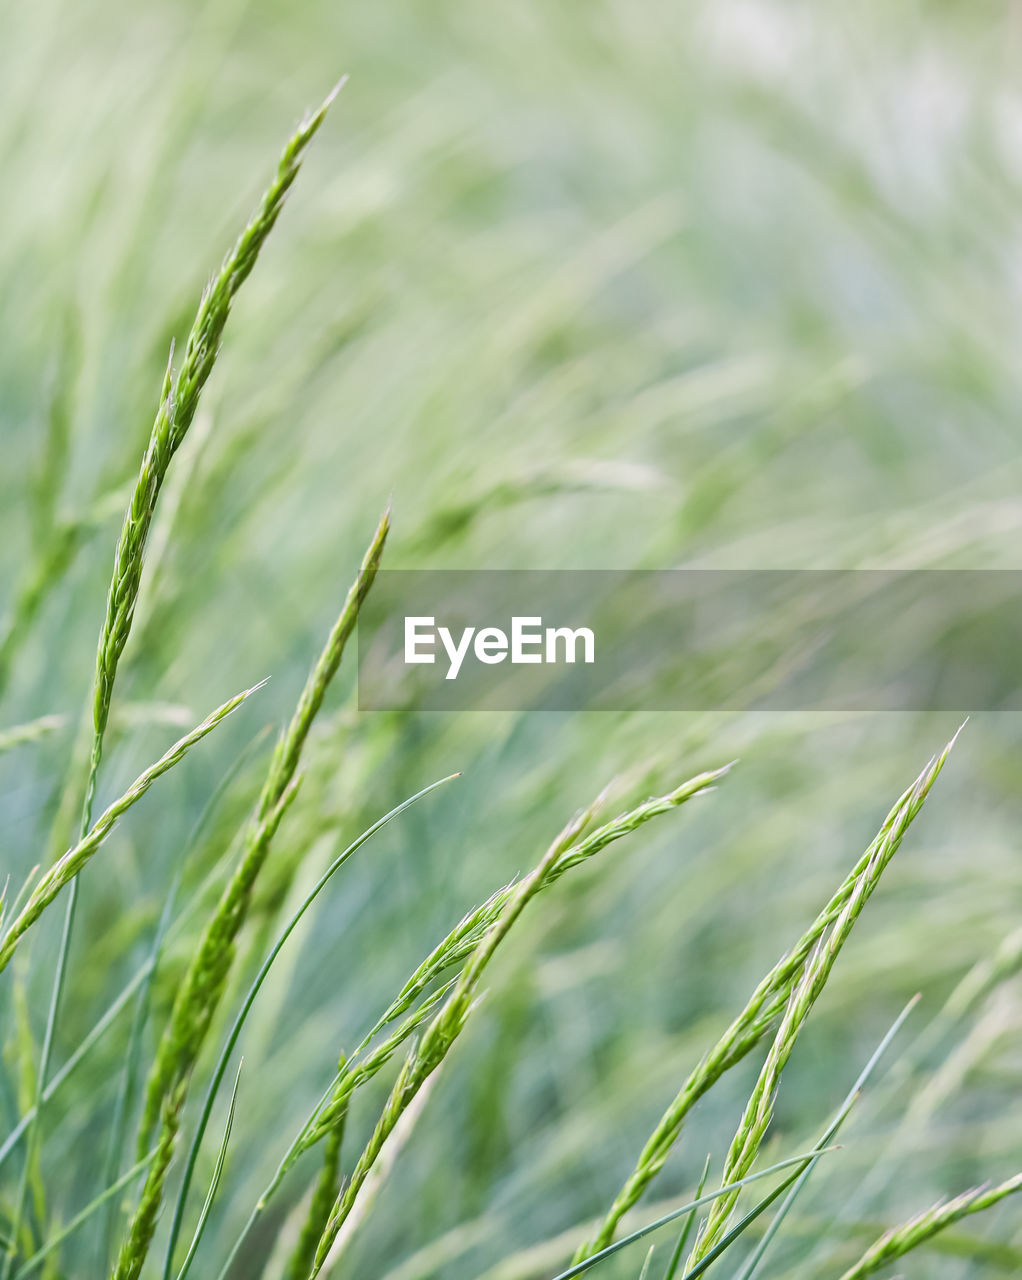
(246, 1006)
(755, 1258)
(455, 947)
(767, 1002)
(328, 1119)
(204, 982)
(174, 1087)
(323, 1195)
(355, 1074)
(179, 399)
(569, 850)
(364, 1063)
(759, 1110)
(64, 870)
(397, 1140)
(136, 1245)
(289, 747)
(358, 1070)
(900, 1240)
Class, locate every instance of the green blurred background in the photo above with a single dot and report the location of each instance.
(603, 285)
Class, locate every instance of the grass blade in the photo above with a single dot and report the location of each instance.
(98, 1030)
(253, 991)
(686, 1231)
(725, 1242)
(214, 1183)
(579, 1268)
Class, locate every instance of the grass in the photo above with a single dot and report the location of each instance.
(563, 326)
(38, 896)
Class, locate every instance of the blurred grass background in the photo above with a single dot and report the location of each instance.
(582, 285)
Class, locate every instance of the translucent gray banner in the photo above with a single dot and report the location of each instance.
(869, 640)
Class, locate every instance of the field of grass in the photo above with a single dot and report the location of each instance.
(566, 285)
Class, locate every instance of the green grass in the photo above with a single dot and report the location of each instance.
(630, 285)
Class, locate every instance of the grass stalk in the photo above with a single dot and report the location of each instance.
(205, 980)
(765, 1005)
(903, 1239)
(178, 402)
(236, 1028)
(323, 1195)
(570, 849)
(66, 868)
(756, 1257)
(818, 967)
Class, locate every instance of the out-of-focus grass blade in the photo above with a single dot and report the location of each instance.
(23, 892)
(55, 1241)
(698, 1203)
(19, 899)
(98, 1031)
(748, 1270)
(213, 1183)
(30, 732)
